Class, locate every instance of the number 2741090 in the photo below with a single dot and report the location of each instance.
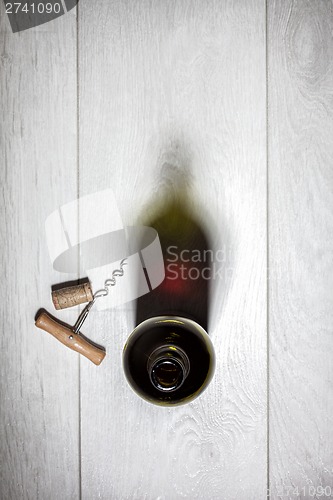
(34, 8)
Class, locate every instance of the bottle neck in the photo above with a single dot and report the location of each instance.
(168, 366)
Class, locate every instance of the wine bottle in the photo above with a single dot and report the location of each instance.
(169, 358)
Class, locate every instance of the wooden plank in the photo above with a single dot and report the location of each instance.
(182, 83)
(39, 384)
(300, 55)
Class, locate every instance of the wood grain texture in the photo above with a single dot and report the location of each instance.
(39, 439)
(301, 241)
(180, 84)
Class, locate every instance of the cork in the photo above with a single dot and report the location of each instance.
(72, 296)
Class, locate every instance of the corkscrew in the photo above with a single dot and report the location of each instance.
(111, 281)
(71, 296)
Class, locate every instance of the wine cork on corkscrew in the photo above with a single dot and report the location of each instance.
(72, 296)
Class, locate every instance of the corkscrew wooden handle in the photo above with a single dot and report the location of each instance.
(70, 339)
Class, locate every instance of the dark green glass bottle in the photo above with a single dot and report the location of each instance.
(169, 358)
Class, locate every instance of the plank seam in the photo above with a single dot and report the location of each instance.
(78, 228)
(267, 251)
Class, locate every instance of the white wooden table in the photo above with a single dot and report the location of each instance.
(103, 97)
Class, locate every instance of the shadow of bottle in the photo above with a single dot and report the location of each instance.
(187, 258)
